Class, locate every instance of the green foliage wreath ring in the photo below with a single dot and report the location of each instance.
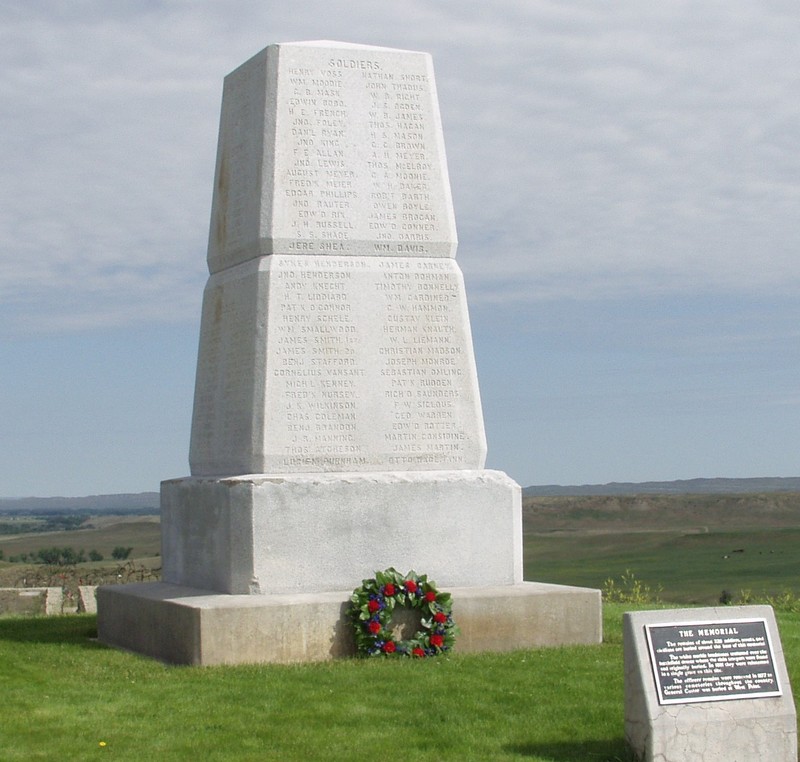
(372, 606)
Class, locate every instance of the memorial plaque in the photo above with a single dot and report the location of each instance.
(707, 684)
(712, 661)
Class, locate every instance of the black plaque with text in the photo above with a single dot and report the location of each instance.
(712, 661)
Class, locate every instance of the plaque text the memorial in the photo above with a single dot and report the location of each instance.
(712, 661)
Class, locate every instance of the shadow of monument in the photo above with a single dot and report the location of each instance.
(78, 630)
(616, 750)
(343, 642)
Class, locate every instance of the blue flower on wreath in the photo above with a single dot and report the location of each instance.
(373, 604)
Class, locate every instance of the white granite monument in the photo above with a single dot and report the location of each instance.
(337, 427)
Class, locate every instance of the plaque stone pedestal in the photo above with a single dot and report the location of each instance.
(707, 685)
(337, 426)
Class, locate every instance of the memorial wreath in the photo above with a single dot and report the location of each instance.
(373, 604)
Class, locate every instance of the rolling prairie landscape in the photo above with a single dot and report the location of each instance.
(690, 548)
(685, 548)
(134, 533)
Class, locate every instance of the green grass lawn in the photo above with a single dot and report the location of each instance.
(65, 695)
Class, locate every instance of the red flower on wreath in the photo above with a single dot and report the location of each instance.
(373, 604)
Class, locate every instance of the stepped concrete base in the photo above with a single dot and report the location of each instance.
(183, 625)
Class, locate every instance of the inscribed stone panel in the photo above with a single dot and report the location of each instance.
(330, 148)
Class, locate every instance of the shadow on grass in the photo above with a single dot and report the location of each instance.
(79, 630)
(569, 751)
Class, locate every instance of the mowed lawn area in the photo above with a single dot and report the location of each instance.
(67, 697)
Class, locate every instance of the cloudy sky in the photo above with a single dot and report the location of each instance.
(626, 180)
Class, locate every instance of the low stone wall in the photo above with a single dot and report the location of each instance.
(87, 599)
(31, 601)
(45, 601)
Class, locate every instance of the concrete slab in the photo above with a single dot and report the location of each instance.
(183, 625)
(28, 601)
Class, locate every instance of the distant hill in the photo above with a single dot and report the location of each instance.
(143, 500)
(91, 503)
(679, 487)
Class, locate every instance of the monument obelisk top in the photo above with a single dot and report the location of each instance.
(349, 160)
(335, 334)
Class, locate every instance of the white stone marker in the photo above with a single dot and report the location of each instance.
(310, 364)
(348, 348)
(335, 339)
(707, 685)
(337, 427)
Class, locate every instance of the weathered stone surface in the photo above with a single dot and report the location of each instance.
(311, 364)
(335, 333)
(87, 599)
(330, 148)
(337, 426)
(307, 533)
(736, 730)
(26, 601)
(190, 626)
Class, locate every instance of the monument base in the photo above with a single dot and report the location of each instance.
(289, 534)
(183, 625)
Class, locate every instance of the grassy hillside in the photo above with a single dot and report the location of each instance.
(97, 533)
(101, 533)
(624, 513)
(694, 547)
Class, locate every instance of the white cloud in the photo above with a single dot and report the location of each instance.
(637, 151)
(595, 149)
